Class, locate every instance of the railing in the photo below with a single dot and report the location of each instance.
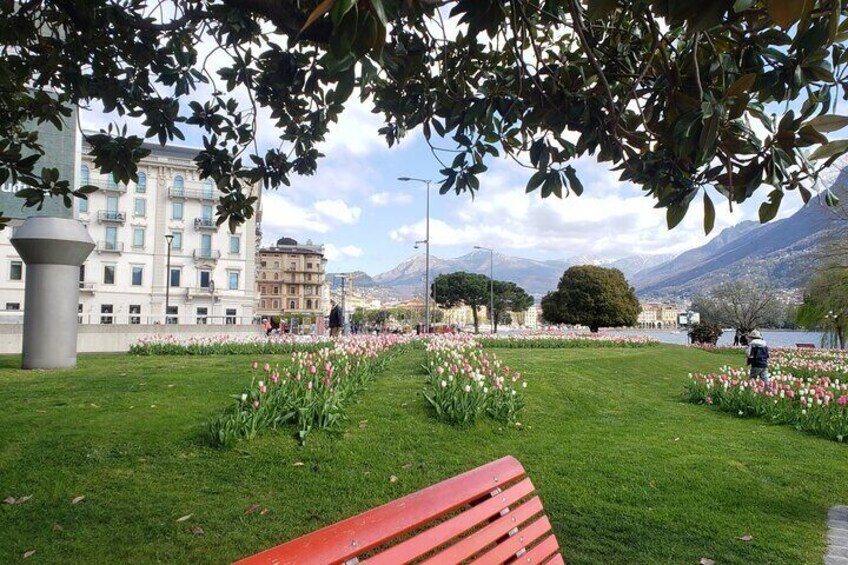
(176, 192)
(187, 317)
(111, 216)
(205, 224)
(110, 246)
(207, 254)
(86, 286)
(107, 186)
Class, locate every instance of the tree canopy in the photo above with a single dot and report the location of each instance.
(744, 304)
(462, 288)
(508, 297)
(592, 296)
(677, 96)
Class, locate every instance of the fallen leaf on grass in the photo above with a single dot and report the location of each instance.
(78, 499)
(264, 511)
(746, 537)
(28, 554)
(406, 466)
(171, 386)
(393, 479)
(184, 518)
(252, 508)
(10, 500)
(197, 531)
(705, 561)
(58, 528)
(298, 464)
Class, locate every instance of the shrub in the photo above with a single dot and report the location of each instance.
(705, 333)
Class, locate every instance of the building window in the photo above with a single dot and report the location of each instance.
(112, 207)
(85, 176)
(13, 306)
(137, 275)
(208, 189)
(309, 276)
(175, 277)
(292, 289)
(79, 311)
(140, 208)
(206, 212)
(177, 242)
(202, 314)
(293, 266)
(111, 238)
(172, 314)
(263, 276)
(138, 237)
(262, 303)
(106, 314)
(179, 184)
(276, 276)
(275, 289)
(135, 313)
(16, 270)
(235, 244)
(177, 211)
(108, 274)
(276, 264)
(82, 273)
(263, 263)
(276, 304)
(233, 280)
(230, 320)
(309, 265)
(83, 205)
(308, 304)
(205, 278)
(291, 305)
(141, 185)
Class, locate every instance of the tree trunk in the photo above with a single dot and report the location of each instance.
(476, 321)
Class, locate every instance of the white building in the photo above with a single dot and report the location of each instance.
(210, 272)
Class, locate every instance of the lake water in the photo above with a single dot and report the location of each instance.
(775, 338)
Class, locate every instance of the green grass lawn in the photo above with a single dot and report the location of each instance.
(627, 472)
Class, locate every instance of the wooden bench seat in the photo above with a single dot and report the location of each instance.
(488, 515)
(805, 345)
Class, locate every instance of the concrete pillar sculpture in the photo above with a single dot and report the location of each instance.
(53, 250)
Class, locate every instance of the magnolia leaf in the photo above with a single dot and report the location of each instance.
(10, 500)
(709, 214)
(674, 214)
(786, 12)
(78, 499)
(705, 561)
(319, 11)
(28, 554)
(184, 518)
(197, 531)
(746, 537)
(742, 85)
(253, 508)
(768, 210)
(264, 511)
(58, 528)
(829, 122)
(829, 149)
(600, 8)
(393, 479)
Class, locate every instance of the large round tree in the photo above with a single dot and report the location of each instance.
(592, 296)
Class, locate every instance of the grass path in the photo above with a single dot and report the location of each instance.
(627, 472)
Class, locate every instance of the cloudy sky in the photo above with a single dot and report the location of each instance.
(368, 220)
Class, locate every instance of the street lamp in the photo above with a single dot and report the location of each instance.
(169, 238)
(426, 241)
(491, 284)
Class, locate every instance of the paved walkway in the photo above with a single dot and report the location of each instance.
(837, 536)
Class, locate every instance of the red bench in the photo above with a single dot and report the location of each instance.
(489, 514)
(805, 345)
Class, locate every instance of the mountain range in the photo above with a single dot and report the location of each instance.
(782, 252)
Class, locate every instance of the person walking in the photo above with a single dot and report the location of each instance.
(336, 319)
(758, 356)
(736, 337)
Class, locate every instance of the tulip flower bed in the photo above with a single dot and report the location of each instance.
(310, 390)
(559, 340)
(818, 405)
(227, 345)
(810, 363)
(464, 383)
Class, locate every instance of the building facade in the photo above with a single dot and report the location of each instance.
(159, 257)
(290, 281)
(659, 316)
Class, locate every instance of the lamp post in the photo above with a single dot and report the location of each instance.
(169, 238)
(491, 284)
(427, 254)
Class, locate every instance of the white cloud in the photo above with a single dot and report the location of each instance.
(335, 253)
(281, 216)
(610, 220)
(387, 198)
(338, 210)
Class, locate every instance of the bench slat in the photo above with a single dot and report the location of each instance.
(541, 552)
(436, 536)
(352, 537)
(470, 545)
(557, 560)
(515, 543)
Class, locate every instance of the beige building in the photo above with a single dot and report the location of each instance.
(658, 315)
(290, 280)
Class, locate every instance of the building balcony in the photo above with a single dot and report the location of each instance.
(108, 186)
(110, 246)
(205, 224)
(86, 287)
(192, 193)
(112, 217)
(207, 254)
